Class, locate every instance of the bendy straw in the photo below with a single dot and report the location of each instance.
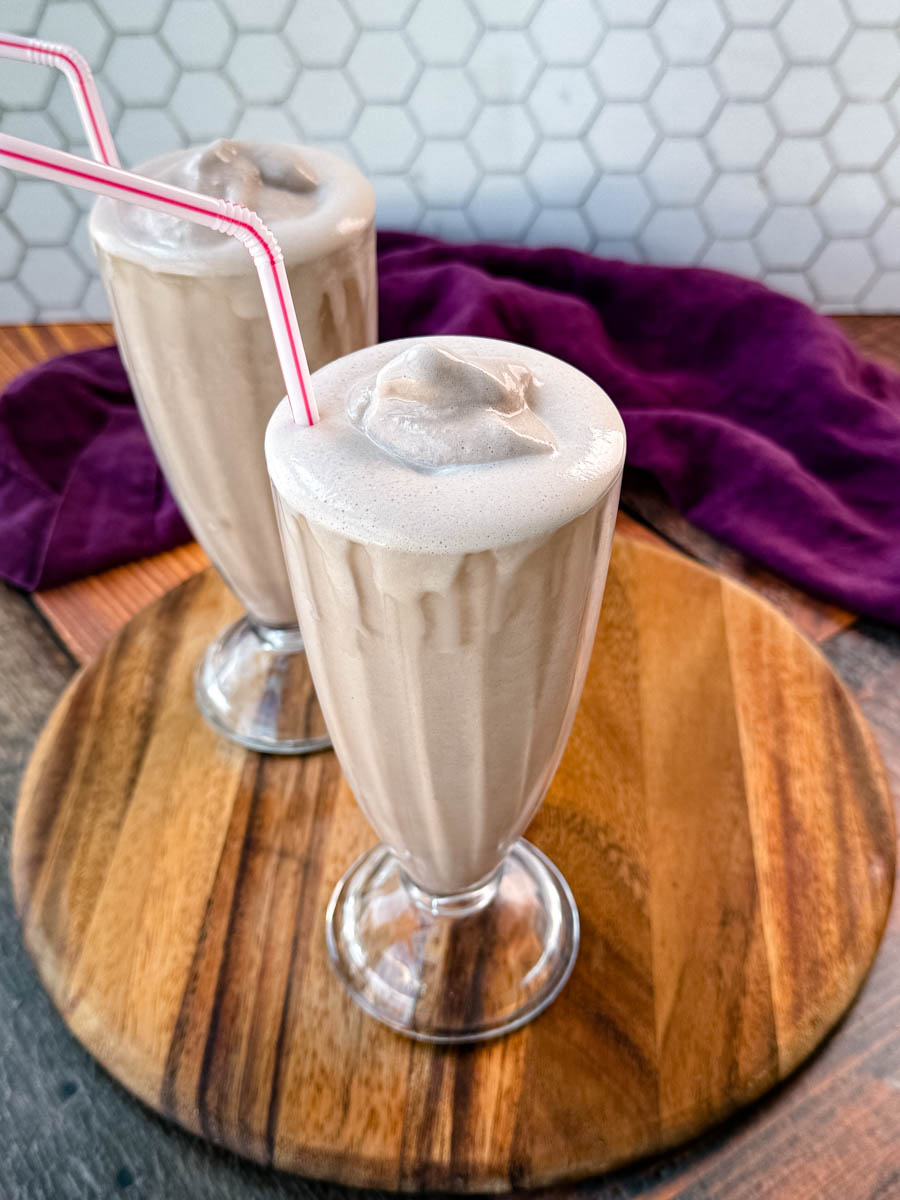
(221, 215)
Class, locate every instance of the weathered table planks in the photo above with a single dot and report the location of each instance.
(68, 1130)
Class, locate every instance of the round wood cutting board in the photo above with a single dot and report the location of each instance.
(720, 814)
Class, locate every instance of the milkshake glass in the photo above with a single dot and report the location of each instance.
(447, 527)
(191, 324)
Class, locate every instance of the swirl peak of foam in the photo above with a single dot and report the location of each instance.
(433, 409)
(272, 180)
(240, 171)
(312, 200)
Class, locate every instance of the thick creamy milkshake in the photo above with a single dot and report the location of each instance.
(191, 324)
(447, 528)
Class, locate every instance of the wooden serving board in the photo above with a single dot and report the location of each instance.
(721, 815)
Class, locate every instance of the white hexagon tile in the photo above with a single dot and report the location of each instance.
(755, 136)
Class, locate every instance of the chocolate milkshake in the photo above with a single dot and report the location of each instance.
(192, 327)
(447, 528)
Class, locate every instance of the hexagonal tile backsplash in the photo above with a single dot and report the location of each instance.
(757, 136)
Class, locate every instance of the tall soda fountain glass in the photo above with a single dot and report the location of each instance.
(197, 345)
(447, 528)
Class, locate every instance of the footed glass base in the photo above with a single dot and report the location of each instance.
(459, 968)
(253, 685)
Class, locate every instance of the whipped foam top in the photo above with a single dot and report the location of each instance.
(341, 477)
(433, 409)
(311, 199)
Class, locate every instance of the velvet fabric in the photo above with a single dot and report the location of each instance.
(757, 417)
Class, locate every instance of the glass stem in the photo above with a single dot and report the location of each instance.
(284, 639)
(457, 904)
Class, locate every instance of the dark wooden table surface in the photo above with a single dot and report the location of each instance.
(67, 1130)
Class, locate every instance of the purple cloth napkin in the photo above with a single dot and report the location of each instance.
(80, 488)
(757, 417)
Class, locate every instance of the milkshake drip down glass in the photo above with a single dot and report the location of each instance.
(447, 528)
(197, 345)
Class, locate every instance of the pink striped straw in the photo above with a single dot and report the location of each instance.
(75, 68)
(221, 215)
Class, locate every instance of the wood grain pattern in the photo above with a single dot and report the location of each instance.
(24, 346)
(720, 813)
(87, 612)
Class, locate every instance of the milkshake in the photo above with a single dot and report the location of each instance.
(447, 528)
(192, 328)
